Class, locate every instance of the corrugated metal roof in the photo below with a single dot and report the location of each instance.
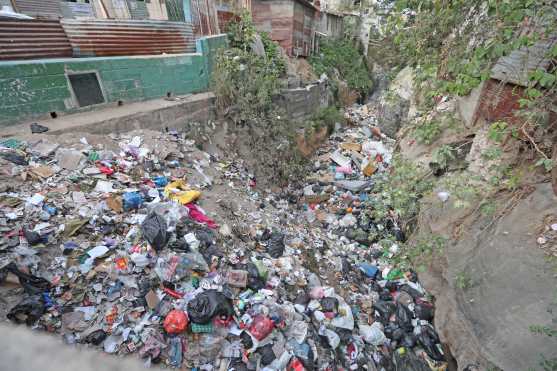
(32, 39)
(39, 8)
(77, 10)
(128, 37)
(516, 67)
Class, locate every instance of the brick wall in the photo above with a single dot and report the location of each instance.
(33, 89)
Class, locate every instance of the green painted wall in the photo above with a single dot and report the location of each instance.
(34, 88)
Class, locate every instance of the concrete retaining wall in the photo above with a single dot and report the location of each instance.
(34, 89)
(302, 103)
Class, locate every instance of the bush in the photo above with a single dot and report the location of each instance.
(243, 79)
(344, 56)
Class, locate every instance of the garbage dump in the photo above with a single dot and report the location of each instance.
(114, 249)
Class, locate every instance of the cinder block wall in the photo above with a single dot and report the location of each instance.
(35, 88)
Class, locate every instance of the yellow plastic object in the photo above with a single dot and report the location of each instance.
(369, 169)
(179, 191)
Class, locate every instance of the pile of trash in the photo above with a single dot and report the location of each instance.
(112, 249)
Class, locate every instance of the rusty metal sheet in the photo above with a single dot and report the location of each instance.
(49, 9)
(128, 37)
(226, 17)
(205, 18)
(33, 39)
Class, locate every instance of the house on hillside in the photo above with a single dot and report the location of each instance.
(172, 10)
(497, 98)
(330, 24)
(291, 23)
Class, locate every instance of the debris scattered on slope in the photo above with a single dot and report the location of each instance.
(114, 249)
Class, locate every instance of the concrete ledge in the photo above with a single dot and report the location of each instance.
(152, 114)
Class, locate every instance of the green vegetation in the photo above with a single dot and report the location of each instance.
(426, 246)
(443, 155)
(452, 46)
(246, 85)
(327, 117)
(550, 332)
(243, 79)
(401, 190)
(428, 132)
(492, 153)
(343, 56)
(498, 131)
(463, 281)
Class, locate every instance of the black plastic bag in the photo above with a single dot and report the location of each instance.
(255, 282)
(392, 286)
(393, 332)
(182, 229)
(96, 337)
(424, 311)
(267, 354)
(210, 252)
(32, 285)
(411, 291)
(385, 310)
(408, 341)
(408, 361)
(207, 305)
(179, 245)
(275, 245)
(154, 230)
(374, 286)
(383, 361)
(246, 340)
(237, 365)
(429, 340)
(404, 317)
(329, 305)
(33, 238)
(385, 295)
(37, 128)
(14, 158)
(28, 311)
(206, 237)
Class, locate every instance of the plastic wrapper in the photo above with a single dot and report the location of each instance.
(261, 327)
(373, 334)
(199, 216)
